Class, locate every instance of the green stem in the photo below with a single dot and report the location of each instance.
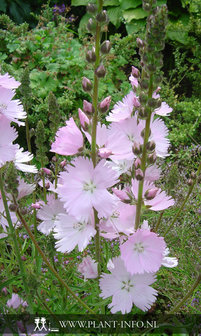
(143, 160)
(43, 179)
(185, 298)
(183, 203)
(51, 268)
(17, 251)
(94, 127)
(28, 135)
(159, 221)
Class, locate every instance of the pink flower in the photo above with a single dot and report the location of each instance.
(134, 81)
(143, 252)
(70, 232)
(169, 261)
(48, 214)
(163, 110)
(7, 135)
(24, 189)
(84, 187)
(69, 139)
(160, 202)
(20, 161)
(11, 109)
(8, 82)
(125, 109)
(36, 205)
(152, 173)
(88, 267)
(121, 222)
(159, 133)
(121, 166)
(16, 301)
(127, 289)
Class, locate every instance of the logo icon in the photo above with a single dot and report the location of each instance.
(40, 324)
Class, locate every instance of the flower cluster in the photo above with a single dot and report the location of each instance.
(12, 111)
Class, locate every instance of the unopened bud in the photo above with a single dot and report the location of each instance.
(104, 153)
(143, 113)
(100, 71)
(139, 174)
(151, 193)
(4, 290)
(47, 185)
(105, 47)
(140, 43)
(105, 104)
(86, 84)
(152, 158)
(91, 25)
(47, 171)
(193, 175)
(136, 148)
(23, 258)
(36, 205)
(84, 120)
(12, 207)
(137, 163)
(190, 182)
(63, 163)
(87, 107)
(143, 98)
(91, 56)
(135, 72)
(151, 146)
(54, 159)
(151, 67)
(31, 133)
(158, 103)
(92, 8)
(152, 102)
(24, 211)
(102, 16)
(144, 84)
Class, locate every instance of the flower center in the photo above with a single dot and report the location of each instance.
(139, 247)
(79, 226)
(90, 186)
(127, 285)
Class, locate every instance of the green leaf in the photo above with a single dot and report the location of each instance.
(126, 4)
(83, 22)
(134, 14)
(9, 281)
(3, 6)
(79, 2)
(111, 3)
(135, 26)
(179, 36)
(115, 15)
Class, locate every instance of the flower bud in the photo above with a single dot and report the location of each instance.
(91, 56)
(47, 185)
(104, 105)
(12, 207)
(23, 258)
(47, 171)
(193, 175)
(140, 43)
(137, 163)
(136, 148)
(91, 25)
(31, 133)
(63, 163)
(4, 290)
(86, 84)
(36, 205)
(102, 16)
(152, 102)
(143, 98)
(151, 193)
(144, 84)
(24, 211)
(143, 112)
(135, 72)
(190, 182)
(54, 158)
(139, 174)
(105, 47)
(100, 71)
(151, 146)
(92, 8)
(84, 120)
(158, 103)
(151, 67)
(87, 107)
(104, 153)
(152, 158)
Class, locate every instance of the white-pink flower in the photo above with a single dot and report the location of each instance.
(159, 133)
(8, 82)
(16, 301)
(169, 261)
(134, 81)
(11, 109)
(160, 202)
(24, 189)
(69, 139)
(84, 187)
(21, 158)
(143, 252)
(7, 135)
(48, 214)
(125, 109)
(152, 173)
(89, 268)
(127, 289)
(71, 232)
(163, 110)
